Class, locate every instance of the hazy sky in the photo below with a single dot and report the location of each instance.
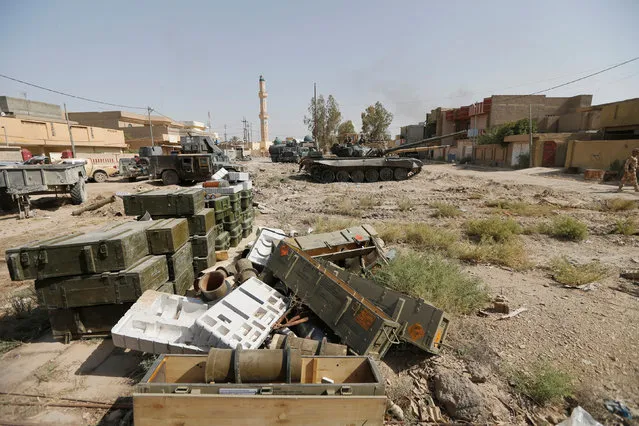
(187, 58)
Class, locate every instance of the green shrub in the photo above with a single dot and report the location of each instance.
(566, 273)
(418, 235)
(565, 228)
(445, 210)
(493, 229)
(435, 279)
(626, 226)
(543, 383)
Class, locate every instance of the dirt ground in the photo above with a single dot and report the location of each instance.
(592, 335)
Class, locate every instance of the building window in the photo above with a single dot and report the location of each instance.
(129, 125)
(52, 130)
(92, 137)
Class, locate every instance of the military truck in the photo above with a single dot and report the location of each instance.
(293, 151)
(200, 159)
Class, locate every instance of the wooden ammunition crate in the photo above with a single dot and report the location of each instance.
(173, 392)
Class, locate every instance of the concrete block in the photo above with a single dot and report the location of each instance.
(220, 174)
(245, 317)
(266, 242)
(238, 176)
(166, 326)
(231, 189)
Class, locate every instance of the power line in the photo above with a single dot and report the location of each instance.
(70, 95)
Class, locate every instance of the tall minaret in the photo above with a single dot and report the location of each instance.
(263, 114)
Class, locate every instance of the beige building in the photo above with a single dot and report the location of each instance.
(135, 127)
(47, 136)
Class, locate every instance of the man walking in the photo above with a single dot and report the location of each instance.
(630, 171)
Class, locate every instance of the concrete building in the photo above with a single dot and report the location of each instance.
(136, 127)
(19, 107)
(413, 132)
(44, 136)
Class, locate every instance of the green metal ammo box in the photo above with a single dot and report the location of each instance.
(180, 261)
(202, 263)
(112, 249)
(184, 281)
(220, 204)
(231, 223)
(361, 325)
(236, 235)
(167, 235)
(148, 273)
(222, 241)
(74, 323)
(165, 202)
(201, 222)
(202, 245)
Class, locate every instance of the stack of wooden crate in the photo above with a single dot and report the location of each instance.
(87, 281)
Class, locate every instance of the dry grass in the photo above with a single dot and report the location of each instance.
(520, 208)
(435, 279)
(510, 253)
(404, 204)
(493, 229)
(626, 226)
(343, 205)
(565, 272)
(619, 204)
(369, 201)
(543, 383)
(444, 210)
(330, 224)
(418, 235)
(565, 228)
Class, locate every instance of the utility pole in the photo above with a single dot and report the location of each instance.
(315, 116)
(209, 124)
(251, 129)
(245, 130)
(151, 125)
(225, 139)
(66, 115)
(530, 138)
(475, 133)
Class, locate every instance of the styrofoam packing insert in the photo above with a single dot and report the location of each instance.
(245, 317)
(220, 174)
(238, 176)
(231, 189)
(247, 184)
(166, 326)
(266, 242)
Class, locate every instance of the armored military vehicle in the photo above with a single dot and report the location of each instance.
(358, 163)
(200, 158)
(292, 151)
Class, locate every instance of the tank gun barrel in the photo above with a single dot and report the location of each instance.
(422, 142)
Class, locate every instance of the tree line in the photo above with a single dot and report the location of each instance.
(324, 121)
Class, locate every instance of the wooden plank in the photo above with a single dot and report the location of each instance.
(195, 410)
(185, 369)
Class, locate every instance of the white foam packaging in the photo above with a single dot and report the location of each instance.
(267, 240)
(243, 317)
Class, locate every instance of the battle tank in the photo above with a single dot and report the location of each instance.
(358, 163)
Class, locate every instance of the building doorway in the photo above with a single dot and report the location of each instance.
(550, 150)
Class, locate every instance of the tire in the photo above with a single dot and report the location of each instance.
(400, 174)
(316, 173)
(357, 176)
(371, 175)
(100, 176)
(170, 177)
(133, 178)
(328, 176)
(79, 192)
(342, 176)
(386, 174)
